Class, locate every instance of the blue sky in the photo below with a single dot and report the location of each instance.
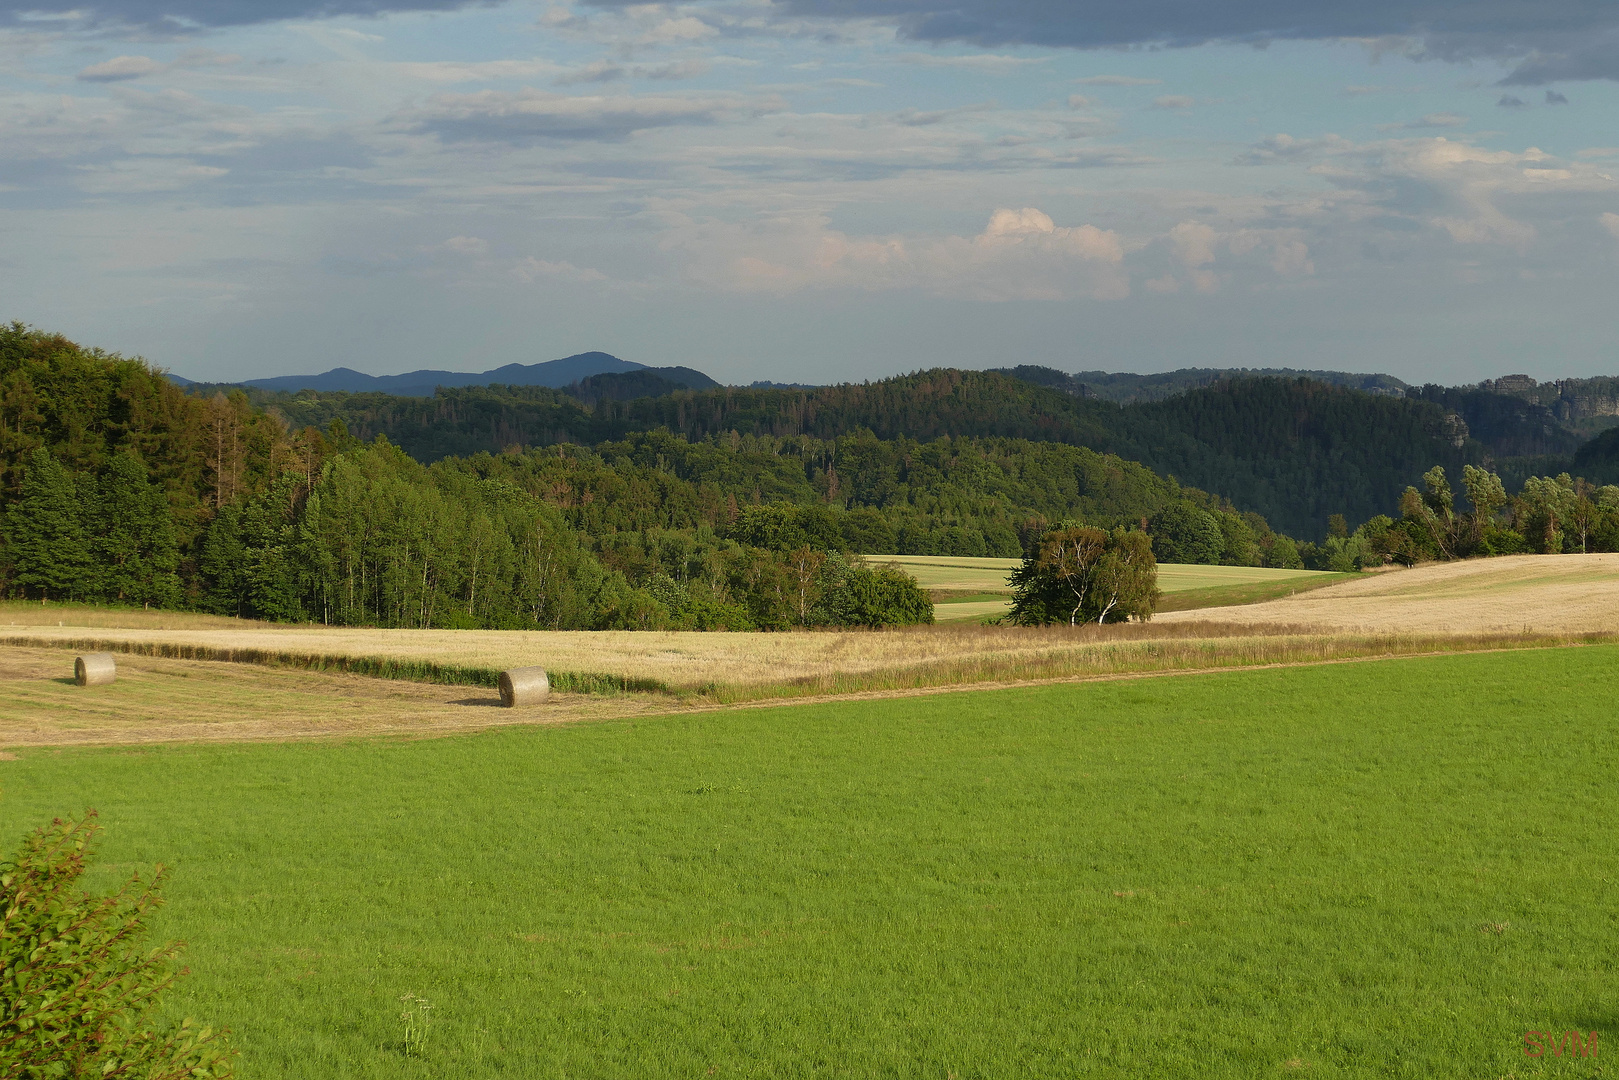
(816, 190)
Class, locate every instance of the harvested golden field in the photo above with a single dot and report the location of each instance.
(200, 677)
(1536, 594)
(161, 700)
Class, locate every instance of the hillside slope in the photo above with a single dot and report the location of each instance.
(1292, 450)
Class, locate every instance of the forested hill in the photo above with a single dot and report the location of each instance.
(1293, 450)
(117, 486)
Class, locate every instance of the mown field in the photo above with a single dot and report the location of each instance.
(1390, 868)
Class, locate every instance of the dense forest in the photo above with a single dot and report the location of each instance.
(1291, 450)
(1125, 387)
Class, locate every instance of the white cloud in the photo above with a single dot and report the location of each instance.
(452, 71)
(1291, 258)
(1610, 221)
(1437, 120)
(1116, 80)
(467, 245)
(988, 63)
(1453, 186)
(531, 270)
(1197, 247)
(120, 68)
(1173, 101)
(1193, 243)
(1020, 255)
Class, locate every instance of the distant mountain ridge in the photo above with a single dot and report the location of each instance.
(552, 373)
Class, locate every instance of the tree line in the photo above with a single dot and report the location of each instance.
(1549, 515)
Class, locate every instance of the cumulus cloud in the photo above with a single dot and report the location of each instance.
(120, 68)
(1020, 255)
(1610, 221)
(1197, 250)
(1456, 188)
(531, 116)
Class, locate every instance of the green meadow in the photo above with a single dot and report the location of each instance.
(1377, 869)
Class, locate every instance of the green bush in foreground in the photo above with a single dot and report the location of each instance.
(76, 987)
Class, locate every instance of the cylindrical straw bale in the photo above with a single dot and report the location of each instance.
(94, 669)
(524, 686)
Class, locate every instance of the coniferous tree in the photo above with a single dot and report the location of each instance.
(136, 553)
(44, 531)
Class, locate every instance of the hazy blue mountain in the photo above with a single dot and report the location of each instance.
(552, 373)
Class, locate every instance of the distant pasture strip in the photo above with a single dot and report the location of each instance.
(952, 573)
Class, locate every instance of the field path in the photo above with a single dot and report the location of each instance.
(1568, 594)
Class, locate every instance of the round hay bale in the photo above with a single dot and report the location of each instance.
(524, 686)
(94, 669)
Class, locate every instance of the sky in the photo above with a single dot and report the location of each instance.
(816, 190)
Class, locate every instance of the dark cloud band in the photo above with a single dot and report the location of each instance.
(1546, 40)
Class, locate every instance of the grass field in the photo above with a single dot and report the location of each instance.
(1243, 593)
(1378, 869)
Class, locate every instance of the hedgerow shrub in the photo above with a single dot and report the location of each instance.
(78, 987)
